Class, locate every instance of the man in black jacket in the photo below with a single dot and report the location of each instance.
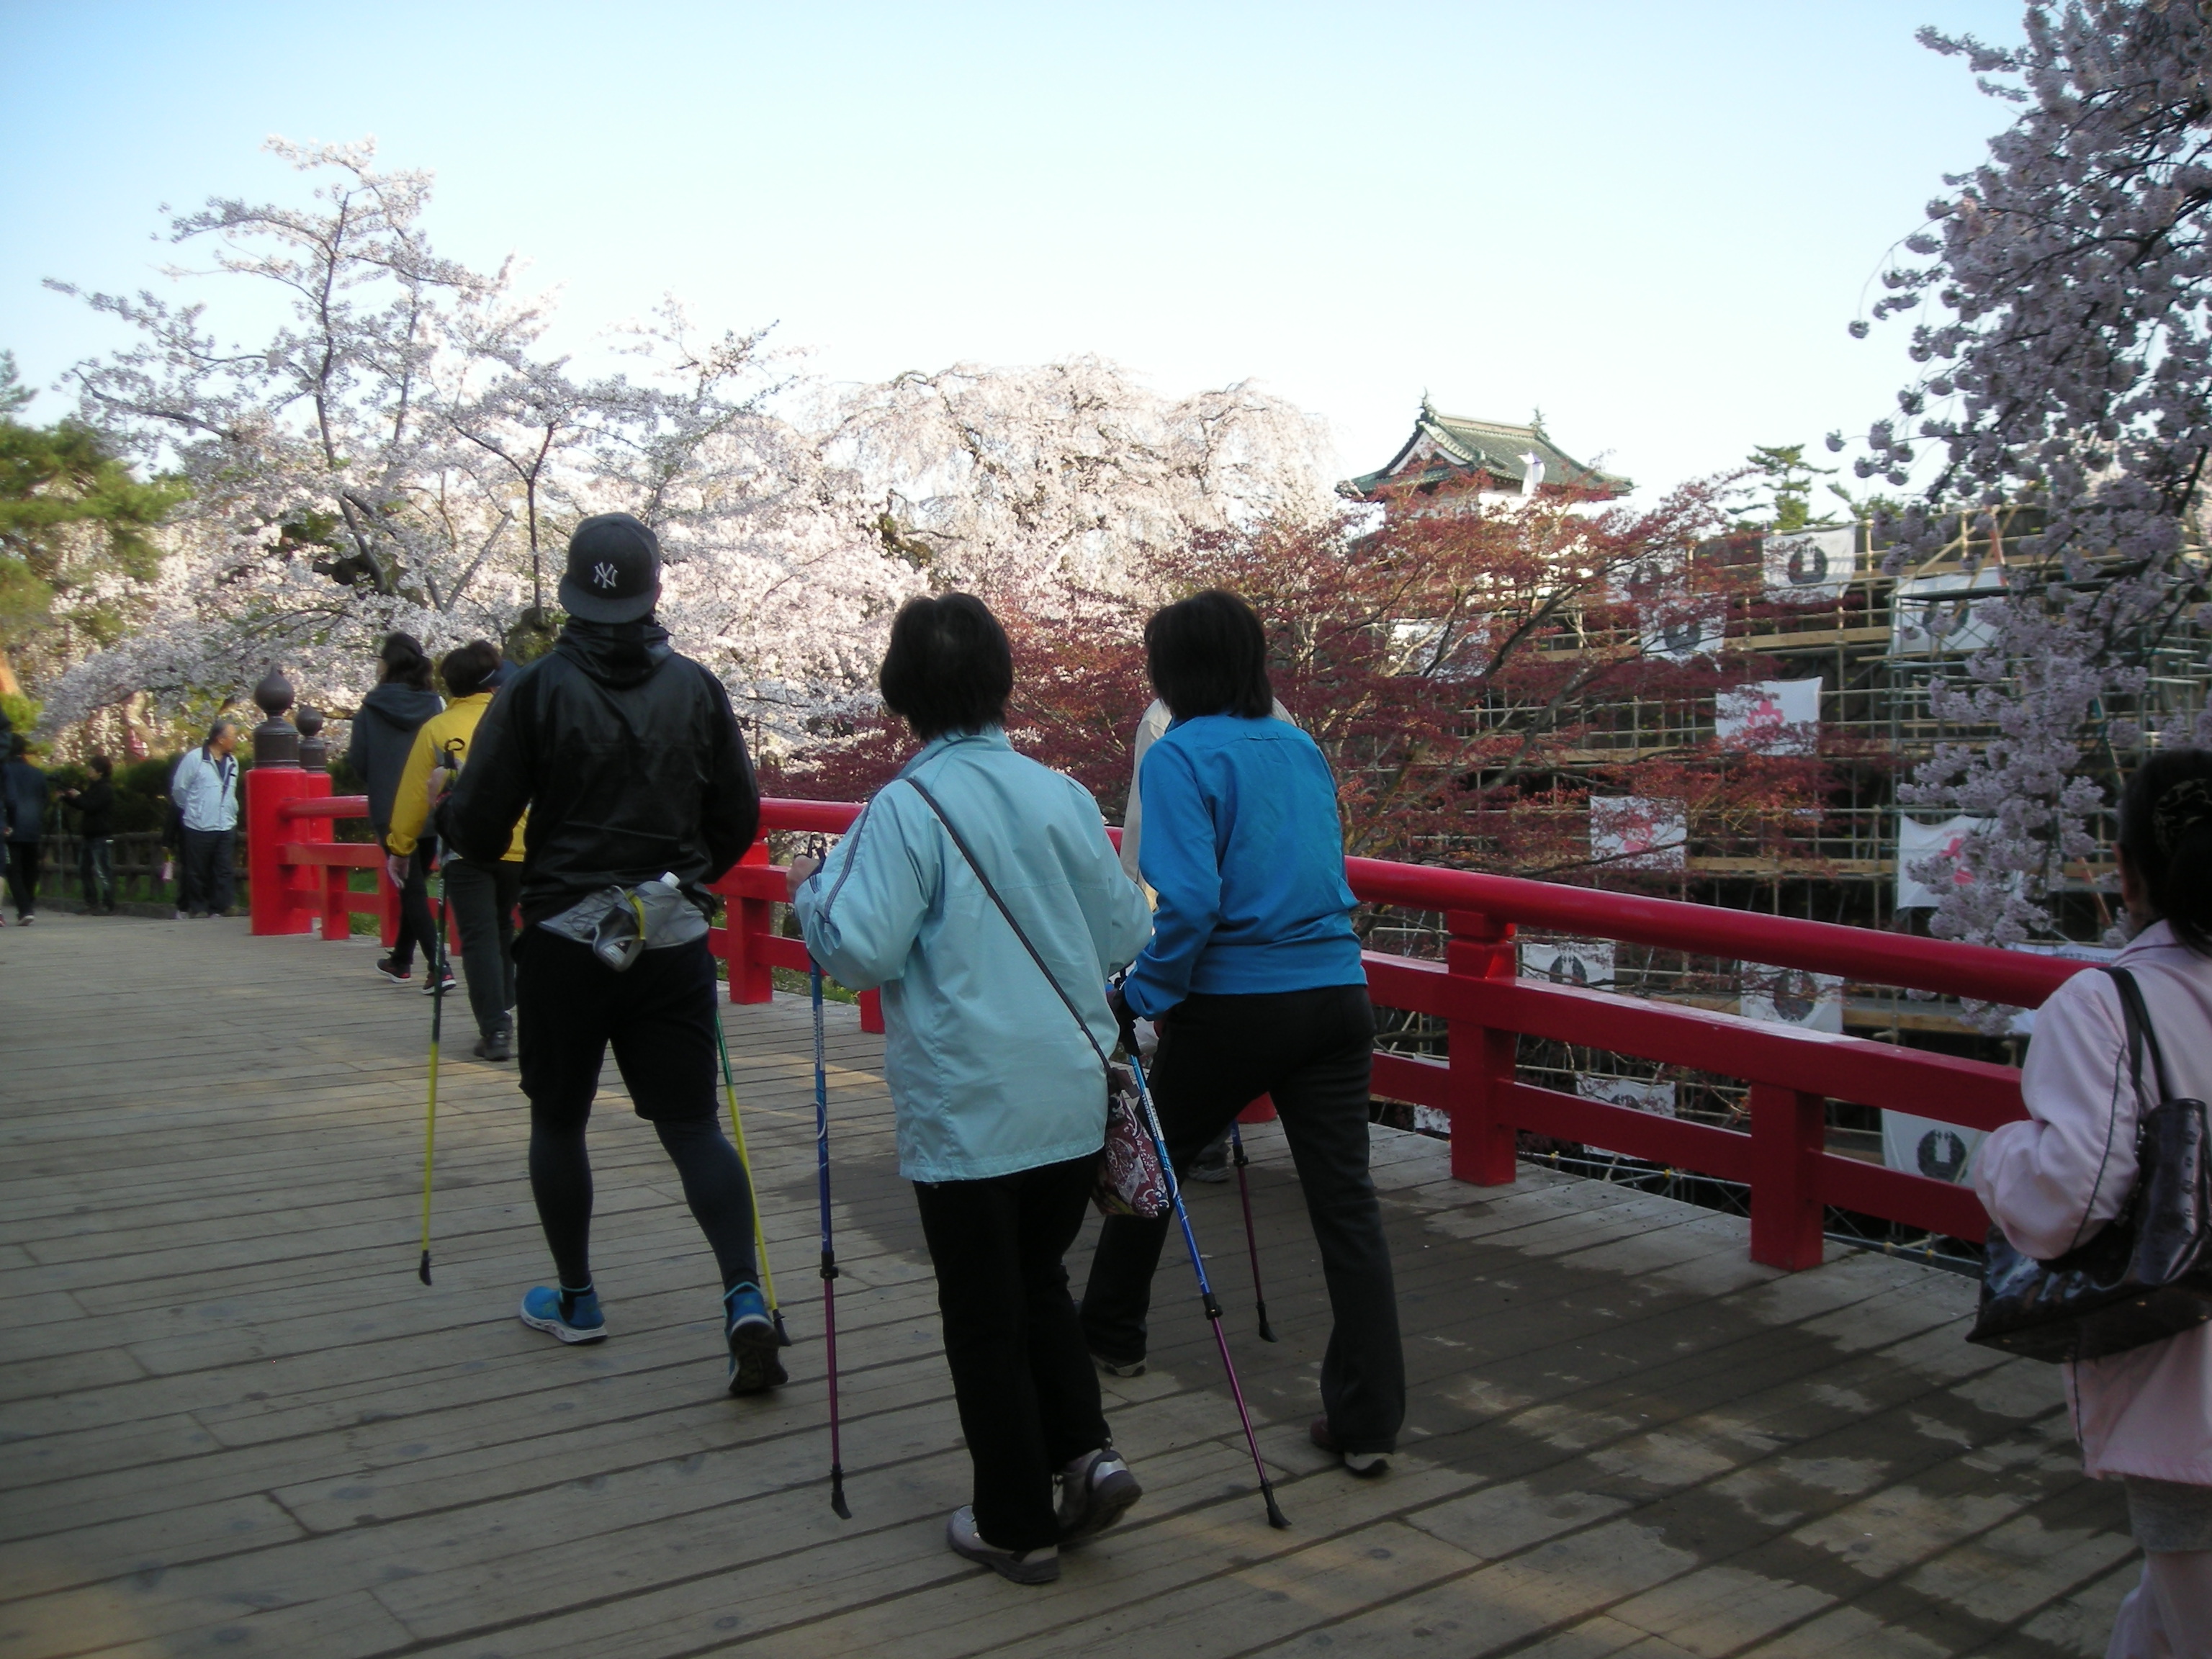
(629, 759)
(95, 805)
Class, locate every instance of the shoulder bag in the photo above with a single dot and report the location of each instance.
(2147, 1275)
(1130, 1179)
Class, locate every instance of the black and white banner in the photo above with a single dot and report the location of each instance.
(1809, 566)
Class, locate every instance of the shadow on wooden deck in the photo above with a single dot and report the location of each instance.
(231, 1421)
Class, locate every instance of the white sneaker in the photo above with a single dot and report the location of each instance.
(1040, 1566)
(1095, 1490)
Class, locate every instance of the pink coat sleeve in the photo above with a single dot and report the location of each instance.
(2052, 1179)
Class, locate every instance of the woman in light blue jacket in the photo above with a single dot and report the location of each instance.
(1000, 1098)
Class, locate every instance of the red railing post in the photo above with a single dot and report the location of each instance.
(746, 919)
(275, 904)
(1482, 1059)
(1788, 1131)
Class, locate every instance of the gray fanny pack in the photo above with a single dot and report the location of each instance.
(621, 923)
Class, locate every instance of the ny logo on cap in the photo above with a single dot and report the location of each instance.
(604, 576)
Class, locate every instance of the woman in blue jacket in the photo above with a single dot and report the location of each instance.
(1253, 979)
(998, 1095)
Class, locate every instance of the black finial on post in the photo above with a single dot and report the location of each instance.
(314, 751)
(276, 740)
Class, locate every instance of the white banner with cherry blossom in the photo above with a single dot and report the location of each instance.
(1770, 717)
(1635, 832)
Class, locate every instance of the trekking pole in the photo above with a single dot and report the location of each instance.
(437, 1022)
(828, 1251)
(1275, 1518)
(1251, 1238)
(760, 1238)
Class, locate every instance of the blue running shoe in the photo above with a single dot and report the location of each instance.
(754, 1367)
(572, 1316)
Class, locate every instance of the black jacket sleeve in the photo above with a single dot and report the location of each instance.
(730, 813)
(478, 816)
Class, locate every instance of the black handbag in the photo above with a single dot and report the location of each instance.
(2147, 1275)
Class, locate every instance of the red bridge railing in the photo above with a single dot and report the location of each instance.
(1487, 1007)
(299, 883)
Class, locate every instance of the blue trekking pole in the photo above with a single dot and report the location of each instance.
(1275, 1518)
(829, 1252)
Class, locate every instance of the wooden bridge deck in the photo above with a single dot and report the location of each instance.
(231, 1421)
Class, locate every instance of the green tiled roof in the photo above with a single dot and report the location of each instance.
(1456, 446)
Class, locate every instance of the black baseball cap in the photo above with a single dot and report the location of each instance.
(614, 570)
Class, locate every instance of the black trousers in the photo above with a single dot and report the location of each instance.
(484, 897)
(1027, 1392)
(96, 866)
(418, 923)
(23, 876)
(1313, 1051)
(206, 882)
(659, 1017)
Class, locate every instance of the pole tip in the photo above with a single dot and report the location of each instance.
(782, 1336)
(1267, 1331)
(1275, 1515)
(844, 1510)
(423, 1268)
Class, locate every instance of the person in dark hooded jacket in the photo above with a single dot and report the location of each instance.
(629, 760)
(384, 729)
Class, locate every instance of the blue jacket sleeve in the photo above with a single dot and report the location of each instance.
(862, 911)
(1182, 866)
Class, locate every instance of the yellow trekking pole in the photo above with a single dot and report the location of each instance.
(436, 960)
(437, 965)
(760, 1238)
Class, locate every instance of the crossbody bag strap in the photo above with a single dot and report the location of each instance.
(975, 864)
(2142, 1034)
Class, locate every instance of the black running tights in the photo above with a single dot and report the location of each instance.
(714, 1185)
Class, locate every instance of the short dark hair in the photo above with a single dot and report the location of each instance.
(1207, 654)
(2166, 831)
(222, 723)
(101, 766)
(465, 668)
(948, 667)
(405, 662)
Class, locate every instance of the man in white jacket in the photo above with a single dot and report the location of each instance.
(205, 790)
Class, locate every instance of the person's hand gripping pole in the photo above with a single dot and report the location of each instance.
(828, 1250)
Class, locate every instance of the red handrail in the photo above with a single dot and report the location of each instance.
(299, 880)
(1857, 953)
(1486, 1009)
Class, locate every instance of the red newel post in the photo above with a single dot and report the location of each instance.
(745, 921)
(1482, 1059)
(275, 901)
(1788, 1131)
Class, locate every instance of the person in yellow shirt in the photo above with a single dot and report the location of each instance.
(483, 894)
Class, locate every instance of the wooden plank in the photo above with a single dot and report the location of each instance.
(229, 1415)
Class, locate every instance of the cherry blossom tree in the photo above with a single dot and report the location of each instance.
(2060, 297)
(403, 450)
(1034, 486)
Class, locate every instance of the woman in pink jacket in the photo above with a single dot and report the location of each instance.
(2145, 1416)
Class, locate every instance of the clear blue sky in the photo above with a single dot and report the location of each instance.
(1652, 221)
